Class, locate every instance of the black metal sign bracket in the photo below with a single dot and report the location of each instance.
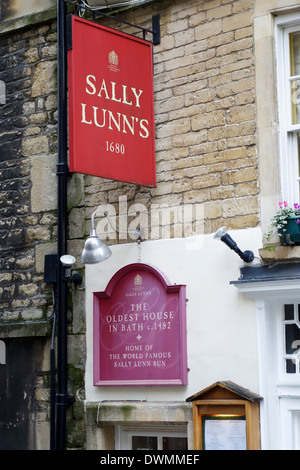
(155, 31)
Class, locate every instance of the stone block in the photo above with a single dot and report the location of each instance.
(271, 254)
(207, 121)
(40, 252)
(237, 21)
(239, 176)
(35, 145)
(206, 30)
(45, 79)
(44, 183)
(76, 223)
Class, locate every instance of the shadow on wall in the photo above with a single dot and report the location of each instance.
(20, 360)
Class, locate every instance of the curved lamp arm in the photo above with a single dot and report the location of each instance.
(221, 234)
(95, 250)
(137, 232)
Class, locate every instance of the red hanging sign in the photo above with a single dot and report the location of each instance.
(111, 104)
(140, 330)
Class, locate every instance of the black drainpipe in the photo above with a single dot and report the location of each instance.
(62, 171)
(62, 399)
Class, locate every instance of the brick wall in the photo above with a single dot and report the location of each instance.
(28, 128)
(28, 222)
(205, 116)
(205, 140)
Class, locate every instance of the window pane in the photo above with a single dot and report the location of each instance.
(144, 443)
(295, 101)
(295, 72)
(295, 53)
(292, 338)
(290, 367)
(289, 312)
(174, 443)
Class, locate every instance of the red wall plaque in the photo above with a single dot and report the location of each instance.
(111, 104)
(140, 330)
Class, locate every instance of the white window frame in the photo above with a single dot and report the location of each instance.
(290, 377)
(289, 157)
(280, 407)
(124, 434)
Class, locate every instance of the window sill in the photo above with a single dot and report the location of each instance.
(279, 253)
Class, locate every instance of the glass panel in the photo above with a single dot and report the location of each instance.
(289, 312)
(144, 443)
(292, 338)
(174, 443)
(295, 53)
(295, 101)
(295, 72)
(290, 367)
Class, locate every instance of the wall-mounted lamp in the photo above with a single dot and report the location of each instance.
(67, 261)
(94, 250)
(222, 235)
(50, 269)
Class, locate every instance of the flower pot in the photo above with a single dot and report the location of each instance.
(290, 234)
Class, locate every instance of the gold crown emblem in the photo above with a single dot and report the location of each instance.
(113, 58)
(138, 280)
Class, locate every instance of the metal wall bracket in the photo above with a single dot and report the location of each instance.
(50, 268)
(155, 31)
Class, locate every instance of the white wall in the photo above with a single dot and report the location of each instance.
(221, 322)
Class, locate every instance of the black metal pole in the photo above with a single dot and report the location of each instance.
(52, 399)
(62, 398)
(62, 173)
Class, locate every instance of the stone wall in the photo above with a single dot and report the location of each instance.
(204, 83)
(28, 222)
(205, 138)
(28, 134)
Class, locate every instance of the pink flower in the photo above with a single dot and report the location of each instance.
(280, 204)
(285, 204)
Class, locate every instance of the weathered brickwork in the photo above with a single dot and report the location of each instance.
(28, 201)
(205, 116)
(27, 129)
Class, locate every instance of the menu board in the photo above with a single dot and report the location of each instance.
(224, 433)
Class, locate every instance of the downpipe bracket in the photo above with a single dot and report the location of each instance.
(64, 400)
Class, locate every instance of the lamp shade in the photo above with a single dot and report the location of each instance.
(67, 260)
(94, 250)
(220, 233)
